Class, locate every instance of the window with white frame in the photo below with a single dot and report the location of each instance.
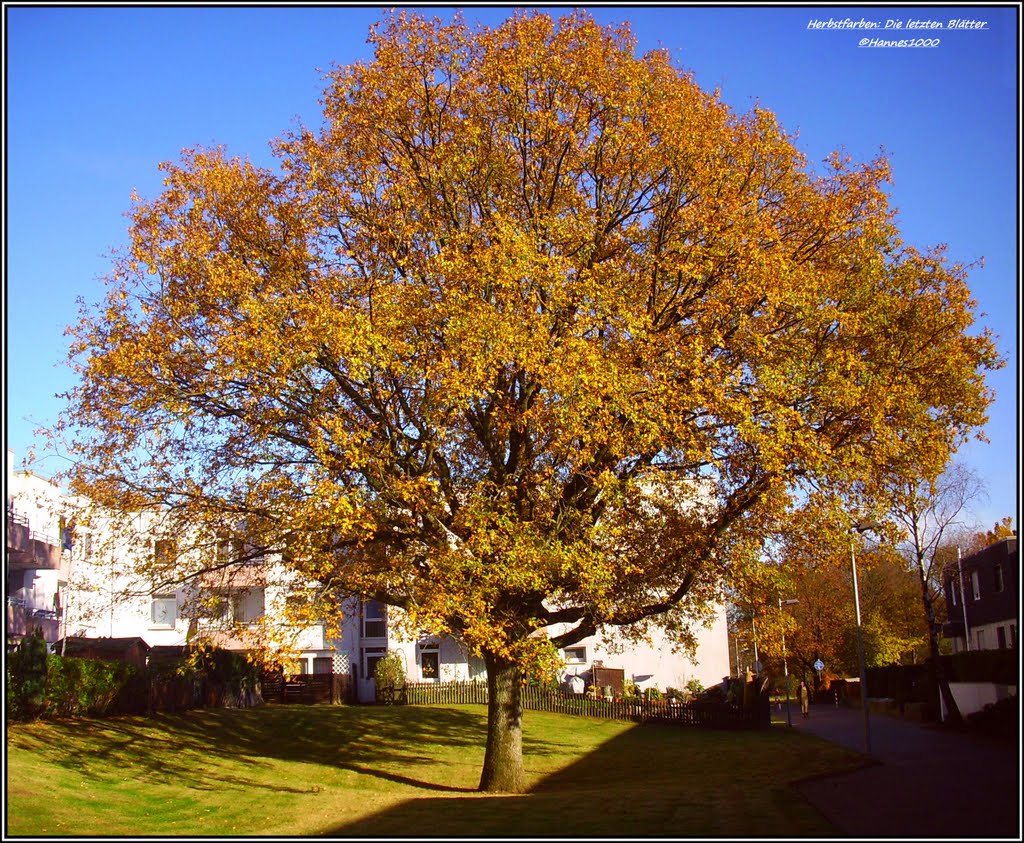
(248, 605)
(575, 655)
(372, 655)
(374, 620)
(954, 593)
(163, 611)
(975, 585)
(237, 605)
(430, 663)
(997, 571)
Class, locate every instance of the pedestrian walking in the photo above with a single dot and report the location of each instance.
(804, 695)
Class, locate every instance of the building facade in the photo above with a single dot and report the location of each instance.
(80, 579)
(982, 593)
(38, 550)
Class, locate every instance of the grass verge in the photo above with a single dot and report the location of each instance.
(403, 771)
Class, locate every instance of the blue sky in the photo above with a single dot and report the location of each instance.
(96, 97)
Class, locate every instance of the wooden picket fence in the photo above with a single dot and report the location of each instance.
(699, 714)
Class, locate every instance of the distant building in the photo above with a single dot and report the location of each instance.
(982, 597)
(38, 540)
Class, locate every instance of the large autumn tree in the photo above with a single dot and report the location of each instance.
(531, 331)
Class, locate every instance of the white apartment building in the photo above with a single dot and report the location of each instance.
(80, 580)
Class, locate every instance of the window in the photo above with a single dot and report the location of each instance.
(374, 620)
(165, 551)
(323, 664)
(229, 550)
(975, 585)
(953, 596)
(1001, 637)
(372, 655)
(237, 605)
(430, 664)
(998, 571)
(219, 608)
(163, 611)
(575, 655)
(247, 605)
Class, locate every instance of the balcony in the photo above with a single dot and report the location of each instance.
(22, 618)
(27, 549)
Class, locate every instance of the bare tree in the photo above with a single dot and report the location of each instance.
(932, 516)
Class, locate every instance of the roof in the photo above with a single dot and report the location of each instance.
(100, 645)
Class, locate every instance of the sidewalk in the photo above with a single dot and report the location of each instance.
(928, 783)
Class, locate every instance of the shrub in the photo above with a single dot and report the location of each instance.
(80, 687)
(229, 678)
(998, 720)
(390, 672)
(26, 677)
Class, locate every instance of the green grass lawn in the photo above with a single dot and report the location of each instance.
(403, 771)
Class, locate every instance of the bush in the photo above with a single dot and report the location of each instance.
(43, 685)
(26, 677)
(229, 678)
(998, 720)
(79, 687)
(389, 674)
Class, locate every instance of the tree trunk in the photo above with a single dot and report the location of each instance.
(953, 718)
(503, 761)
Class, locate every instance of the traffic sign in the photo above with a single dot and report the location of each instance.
(819, 665)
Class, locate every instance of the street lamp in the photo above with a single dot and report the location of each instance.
(963, 597)
(861, 527)
(785, 666)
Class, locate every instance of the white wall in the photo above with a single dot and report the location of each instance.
(974, 696)
(655, 665)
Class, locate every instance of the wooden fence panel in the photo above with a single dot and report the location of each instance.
(309, 688)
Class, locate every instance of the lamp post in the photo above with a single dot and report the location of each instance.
(785, 666)
(860, 527)
(963, 598)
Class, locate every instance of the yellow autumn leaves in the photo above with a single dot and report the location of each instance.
(518, 274)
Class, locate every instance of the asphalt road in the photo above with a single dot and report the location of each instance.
(925, 782)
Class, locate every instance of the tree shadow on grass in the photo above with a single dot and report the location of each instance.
(651, 780)
(202, 748)
(648, 780)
